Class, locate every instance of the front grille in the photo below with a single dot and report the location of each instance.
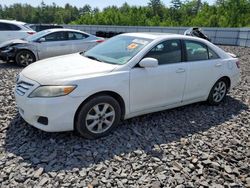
(22, 87)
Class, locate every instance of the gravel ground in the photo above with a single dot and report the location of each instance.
(192, 146)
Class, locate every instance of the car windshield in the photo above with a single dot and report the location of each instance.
(117, 50)
(27, 26)
(37, 35)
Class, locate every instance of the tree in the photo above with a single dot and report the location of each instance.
(198, 6)
(85, 10)
(223, 13)
(175, 13)
(96, 10)
(176, 4)
(157, 8)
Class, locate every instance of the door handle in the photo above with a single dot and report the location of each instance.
(180, 70)
(218, 64)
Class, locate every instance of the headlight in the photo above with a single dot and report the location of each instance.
(8, 49)
(52, 91)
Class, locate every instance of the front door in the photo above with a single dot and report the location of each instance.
(159, 86)
(55, 44)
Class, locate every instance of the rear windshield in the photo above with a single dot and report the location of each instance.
(27, 26)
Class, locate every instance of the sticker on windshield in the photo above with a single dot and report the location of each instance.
(140, 41)
(132, 46)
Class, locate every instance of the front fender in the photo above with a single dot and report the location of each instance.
(29, 47)
(117, 82)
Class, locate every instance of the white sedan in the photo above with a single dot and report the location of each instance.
(126, 76)
(47, 43)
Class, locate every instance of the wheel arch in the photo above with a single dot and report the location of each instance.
(227, 80)
(25, 49)
(113, 94)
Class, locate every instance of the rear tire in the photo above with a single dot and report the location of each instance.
(98, 117)
(24, 58)
(218, 92)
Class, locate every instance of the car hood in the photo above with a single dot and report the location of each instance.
(12, 42)
(64, 69)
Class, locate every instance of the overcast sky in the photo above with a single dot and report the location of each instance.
(93, 3)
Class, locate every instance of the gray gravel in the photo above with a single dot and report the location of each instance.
(192, 146)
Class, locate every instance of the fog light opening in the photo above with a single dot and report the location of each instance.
(43, 120)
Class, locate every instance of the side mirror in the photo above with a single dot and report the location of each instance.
(148, 62)
(41, 40)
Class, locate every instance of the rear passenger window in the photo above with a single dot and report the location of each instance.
(77, 36)
(14, 27)
(166, 52)
(196, 51)
(212, 54)
(8, 27)
(3, 27)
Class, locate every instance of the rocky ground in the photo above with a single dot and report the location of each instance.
(191, 146)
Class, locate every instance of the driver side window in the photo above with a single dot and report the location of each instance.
(166, 52)
(57, 36)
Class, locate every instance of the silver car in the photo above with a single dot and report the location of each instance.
(45, 44)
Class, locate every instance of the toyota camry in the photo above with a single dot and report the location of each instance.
(126, 76)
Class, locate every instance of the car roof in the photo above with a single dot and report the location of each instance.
(148, 35)
(12, 22)
(64, 29)
(41, 24)
(153, 36)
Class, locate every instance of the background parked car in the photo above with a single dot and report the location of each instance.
(11, 29)
(41, 27)
(108, 34)
(47, 43)
(196, 32)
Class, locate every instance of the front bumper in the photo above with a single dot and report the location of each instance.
(59, 111)
(6, 55)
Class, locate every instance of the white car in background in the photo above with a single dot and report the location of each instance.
(45, 44)
(126, 76)
(11, 29)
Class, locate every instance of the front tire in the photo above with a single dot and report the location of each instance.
(98, 117)
(24, 58)
(218, 92)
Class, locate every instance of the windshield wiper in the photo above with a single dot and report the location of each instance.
(95, 58)
(92, 57)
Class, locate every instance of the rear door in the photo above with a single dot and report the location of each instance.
(204, 66)
(55, 44)
(80, 41)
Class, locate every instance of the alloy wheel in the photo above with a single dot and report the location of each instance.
(25, 59)
(220, 90)
(100, 118)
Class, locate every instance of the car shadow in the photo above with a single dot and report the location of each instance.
(13, 65)
(65, 151)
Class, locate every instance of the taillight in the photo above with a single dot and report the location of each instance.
(237, 64)
(99, 41)
(31, 32)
